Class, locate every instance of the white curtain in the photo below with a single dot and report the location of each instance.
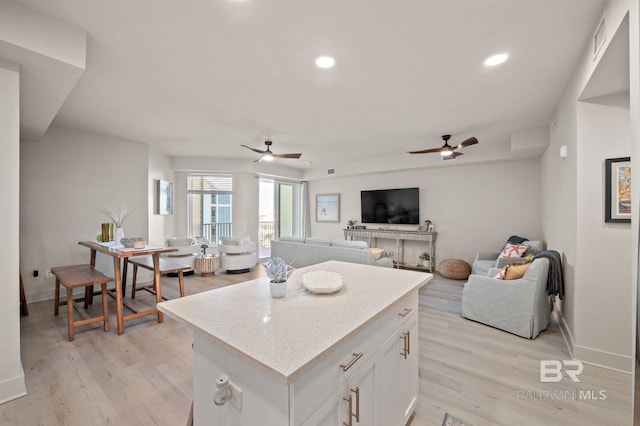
(306, 211)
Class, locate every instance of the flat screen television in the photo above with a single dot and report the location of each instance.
(391, 206)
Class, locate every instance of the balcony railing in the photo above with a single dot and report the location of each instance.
(265, 234)
(213, 231)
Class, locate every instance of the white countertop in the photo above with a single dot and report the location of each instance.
(286, 336)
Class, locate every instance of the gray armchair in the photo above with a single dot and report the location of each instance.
(518, 306)
(485, 261)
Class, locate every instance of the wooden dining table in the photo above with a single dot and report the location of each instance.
(118, 253)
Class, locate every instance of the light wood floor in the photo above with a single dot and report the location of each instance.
(145, 376)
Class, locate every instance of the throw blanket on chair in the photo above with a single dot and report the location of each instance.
(555, 279)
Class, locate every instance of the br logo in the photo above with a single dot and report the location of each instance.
(551, 370)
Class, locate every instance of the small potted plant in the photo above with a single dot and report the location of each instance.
(351, 223)
(426, 259)
(278, 272)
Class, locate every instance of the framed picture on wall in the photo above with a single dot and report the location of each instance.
(164, 197)
(328, 208)
(617, 190)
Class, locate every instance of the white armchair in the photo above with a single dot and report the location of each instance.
(237, 256)
(187, 251)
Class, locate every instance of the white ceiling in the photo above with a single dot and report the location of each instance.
(201, 77)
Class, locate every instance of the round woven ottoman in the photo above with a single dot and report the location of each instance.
(456, 269)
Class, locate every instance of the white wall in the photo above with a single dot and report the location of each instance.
(161, 227)
(246, 191)
(596, 313)
(474, 208)
(603, 132)
(64, 179)
(12, 384)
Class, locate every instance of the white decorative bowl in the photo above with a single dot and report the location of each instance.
(322, 282)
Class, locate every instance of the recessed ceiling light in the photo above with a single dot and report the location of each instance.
(325, 62)
(496, 59)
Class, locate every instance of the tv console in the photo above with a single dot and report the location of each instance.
(400, 236)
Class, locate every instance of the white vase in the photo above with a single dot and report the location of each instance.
(278, 289)
(426, 263)
(117, 235)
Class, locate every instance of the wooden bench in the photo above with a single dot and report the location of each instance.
(166, 267)
(75, 276)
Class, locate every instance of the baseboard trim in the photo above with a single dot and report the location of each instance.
(598, 358)
(608, 360)
(13, 388)
(564, 330)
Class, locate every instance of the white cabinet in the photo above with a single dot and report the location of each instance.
(331, 411)
(381, 387)
(408, 369)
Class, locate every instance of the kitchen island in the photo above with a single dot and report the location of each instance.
(350, 357)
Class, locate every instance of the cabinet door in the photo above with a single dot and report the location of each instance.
(408, 379)
(361, 388)
(388, 408)
(331, 412)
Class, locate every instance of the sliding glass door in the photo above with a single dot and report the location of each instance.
(280, 212)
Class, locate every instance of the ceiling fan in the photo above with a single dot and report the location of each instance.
(447, 151)
(267, 155)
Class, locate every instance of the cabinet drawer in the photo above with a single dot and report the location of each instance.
(399, 313)
(324, 378)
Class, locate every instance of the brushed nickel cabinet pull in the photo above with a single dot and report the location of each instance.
(357, 392)
(405, 312)
(408, 343)
(356, 357)
(350, 401)
(405, 349)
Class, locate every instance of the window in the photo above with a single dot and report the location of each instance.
(210, 206)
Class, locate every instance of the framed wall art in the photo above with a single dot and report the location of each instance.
(328, 208)
(164, 197)
(617, 190)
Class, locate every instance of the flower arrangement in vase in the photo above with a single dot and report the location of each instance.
(278, 272)
(118, 217)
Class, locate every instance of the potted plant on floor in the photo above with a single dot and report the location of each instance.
(426, 259)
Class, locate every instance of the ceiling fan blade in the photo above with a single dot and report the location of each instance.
(258, 160)
(468, 142)
(287, 155)
(254, 150)
(428, 151)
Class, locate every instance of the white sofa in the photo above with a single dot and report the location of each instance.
(302, 252)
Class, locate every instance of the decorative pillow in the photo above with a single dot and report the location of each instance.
(513, 271)
(376, 252)
(512, 250)
(179, 242)
(229, 241)
(531, 251)
(516, 270)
